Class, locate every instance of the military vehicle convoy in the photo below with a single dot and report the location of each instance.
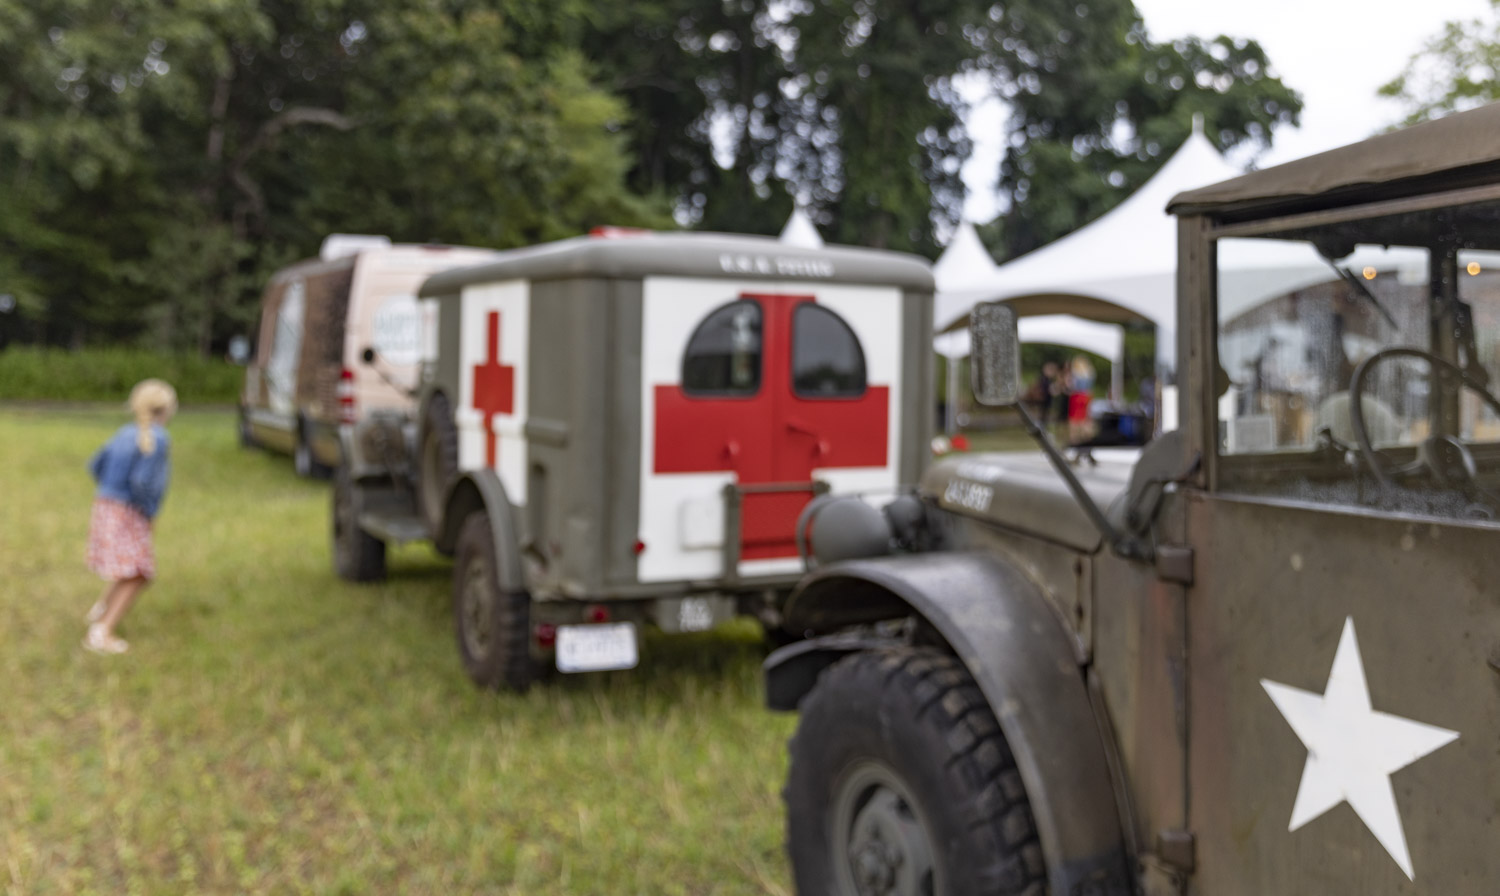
(622, 430)
(1264, 658)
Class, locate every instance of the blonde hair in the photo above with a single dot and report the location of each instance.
(151, 400)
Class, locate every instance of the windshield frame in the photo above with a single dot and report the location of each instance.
(1444, 298)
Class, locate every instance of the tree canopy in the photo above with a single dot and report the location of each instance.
(1458, 69)
(159, 160)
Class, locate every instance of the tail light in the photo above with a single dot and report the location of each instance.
(612, 232)
(346, 396)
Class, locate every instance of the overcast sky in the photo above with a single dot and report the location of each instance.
(1336, 53)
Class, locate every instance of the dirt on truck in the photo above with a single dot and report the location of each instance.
(1261, 657)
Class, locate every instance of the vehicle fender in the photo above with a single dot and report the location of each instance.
(424, 398)
(483, 490)
(374, 447)
(1001, 626)
(428, 392)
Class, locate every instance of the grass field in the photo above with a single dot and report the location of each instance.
(274, 729)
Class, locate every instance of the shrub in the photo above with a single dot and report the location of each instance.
(29, 373)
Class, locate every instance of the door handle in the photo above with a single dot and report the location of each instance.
(799, 426)
(732, 449)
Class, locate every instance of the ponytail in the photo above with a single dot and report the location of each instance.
(150, 401)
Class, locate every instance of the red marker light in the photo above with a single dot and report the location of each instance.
(546, 634)
(639, 547)
(346, 397)
(596, 613)
(611, 232)
(960, 443)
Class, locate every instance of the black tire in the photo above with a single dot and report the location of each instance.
(358, 556)
(900, 777)
(246, 437)
(303, 461)
(493, 626)
(776, 636)
(437, 460)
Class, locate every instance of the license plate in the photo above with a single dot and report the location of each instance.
(695, 614)
(596, 648)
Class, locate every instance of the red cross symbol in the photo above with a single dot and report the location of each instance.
(494, 388)
(772, 436)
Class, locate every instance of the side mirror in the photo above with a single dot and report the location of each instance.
(368, 355)
(995, 358)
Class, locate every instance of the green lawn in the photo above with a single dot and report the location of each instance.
(274, 729)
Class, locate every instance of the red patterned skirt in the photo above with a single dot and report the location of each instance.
(1078, 407)
(120, 542)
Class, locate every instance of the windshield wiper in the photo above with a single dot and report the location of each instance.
(1349, 277)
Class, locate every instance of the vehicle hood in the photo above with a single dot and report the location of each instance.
(1023, 492)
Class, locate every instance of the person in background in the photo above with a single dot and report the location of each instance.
(1044, 392)
(1147, 403)
(132, 470)
(1080, 393)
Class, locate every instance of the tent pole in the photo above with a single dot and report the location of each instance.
(950, 407)
(1117, 375)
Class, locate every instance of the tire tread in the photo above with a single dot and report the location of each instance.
(992, 806)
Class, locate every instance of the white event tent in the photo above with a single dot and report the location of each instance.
(1104, 340)
(1122, 266)
(1119, 268)
(800, 231)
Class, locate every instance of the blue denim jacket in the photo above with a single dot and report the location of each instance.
(125, 474)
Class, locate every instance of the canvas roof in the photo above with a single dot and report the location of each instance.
(1105, 340)
(643, 254)
(1458, 149)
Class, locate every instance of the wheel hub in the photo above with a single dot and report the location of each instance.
(885, 843)
(875, 866)
(477, 609)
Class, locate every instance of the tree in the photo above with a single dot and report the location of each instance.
(474, 127)
(852, 108)
(879, 77)
(163, 158)
(1458, 69)
(1072, 160)
(703, 82)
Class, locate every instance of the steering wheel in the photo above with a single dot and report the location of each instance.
(1446, 458)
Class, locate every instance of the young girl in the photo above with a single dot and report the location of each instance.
(1080, 393)
(132, 471)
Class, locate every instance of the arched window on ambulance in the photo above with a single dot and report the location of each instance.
(724, 354)
(827, 359)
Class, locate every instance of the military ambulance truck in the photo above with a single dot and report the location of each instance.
(623, 430)
(1264, 658)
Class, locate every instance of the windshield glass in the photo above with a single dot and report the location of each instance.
(1402, 311)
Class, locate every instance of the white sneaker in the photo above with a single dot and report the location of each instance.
(96, 612)
(99, 641)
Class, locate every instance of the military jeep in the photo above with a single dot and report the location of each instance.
(1263, 657)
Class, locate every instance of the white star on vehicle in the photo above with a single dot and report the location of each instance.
(1352, 750)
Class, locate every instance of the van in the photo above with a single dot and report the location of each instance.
(319, 321)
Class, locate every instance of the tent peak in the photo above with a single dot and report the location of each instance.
(965, 262)
(800, 231)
